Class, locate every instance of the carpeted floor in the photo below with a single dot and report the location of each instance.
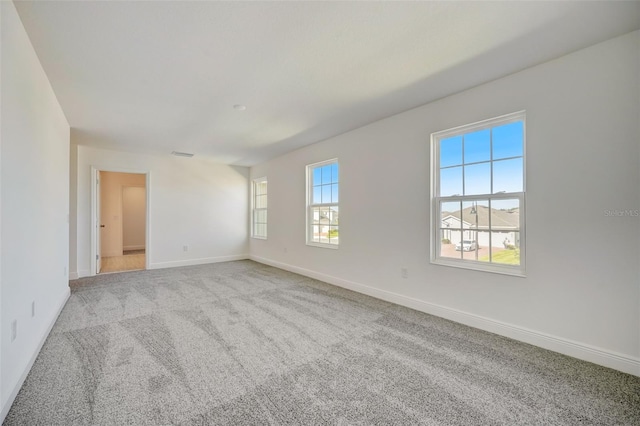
(243, 343)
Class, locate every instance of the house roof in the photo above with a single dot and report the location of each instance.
(163, 76)
(499, 218)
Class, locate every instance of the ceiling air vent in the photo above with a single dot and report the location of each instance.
(182, 154)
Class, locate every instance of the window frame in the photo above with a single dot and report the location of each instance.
(437, 200)
(310, 205)
(254, 209)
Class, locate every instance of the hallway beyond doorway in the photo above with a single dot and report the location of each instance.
(122, 216)
(127, 262)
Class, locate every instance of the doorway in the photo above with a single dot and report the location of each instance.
(121, 221)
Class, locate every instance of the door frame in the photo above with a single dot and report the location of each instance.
(95, 214)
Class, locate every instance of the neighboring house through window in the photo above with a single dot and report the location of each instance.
(478, 194)
(259, 211)
(322, 204)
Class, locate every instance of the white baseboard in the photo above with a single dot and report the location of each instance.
(201, 261)
(617, 361)
(110, 254)
(73, 276)
(174, 264)
(83, 273)
(16, 388)
(138, 247)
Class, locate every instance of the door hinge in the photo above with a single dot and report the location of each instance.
(97, 256)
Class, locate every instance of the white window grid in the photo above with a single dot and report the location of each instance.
(259, 210)
(322, 220)
(489, 198)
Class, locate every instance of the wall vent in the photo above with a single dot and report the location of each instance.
(182, 154)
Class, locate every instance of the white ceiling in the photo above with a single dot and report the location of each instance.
(164, 76)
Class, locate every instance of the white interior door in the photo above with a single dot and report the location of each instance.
(99, 226)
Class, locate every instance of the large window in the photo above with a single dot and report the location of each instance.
(259, 210)
(323, 228)
(478, 193)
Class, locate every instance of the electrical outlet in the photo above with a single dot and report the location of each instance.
(33, 309)
(14, 330)
(185, 248)
(404, 272)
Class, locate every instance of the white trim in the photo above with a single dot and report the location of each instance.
(92, 231)
(600, 356)
(73, 276)
(436, 199)
(482, 124)
(253, 207)
(93, 248)
(201, 261)
(16, 388)
(138, 247)
(147, 242)
(494, 268)
(323, 245)
(309, 200)
(84, 273)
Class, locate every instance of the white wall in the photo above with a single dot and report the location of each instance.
(581, 294)
(112, 211)
(192, 202)
(2, 398)
(34, 172)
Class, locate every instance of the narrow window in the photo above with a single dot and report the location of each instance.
(478, 194)
(259, 210)
(323, 227)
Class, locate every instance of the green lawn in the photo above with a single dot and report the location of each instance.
(507, 257)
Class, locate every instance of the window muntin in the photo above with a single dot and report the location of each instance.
(259, 211)
(478, 195)
(323, 209)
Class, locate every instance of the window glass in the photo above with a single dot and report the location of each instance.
(259, 210)
(478, 195)
(323, 209)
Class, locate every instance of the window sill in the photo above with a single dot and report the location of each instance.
(515, 271)
(323, 245)
(258, 238)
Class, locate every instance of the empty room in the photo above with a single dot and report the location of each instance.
(310, 212)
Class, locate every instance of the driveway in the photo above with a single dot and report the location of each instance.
(449, 250)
